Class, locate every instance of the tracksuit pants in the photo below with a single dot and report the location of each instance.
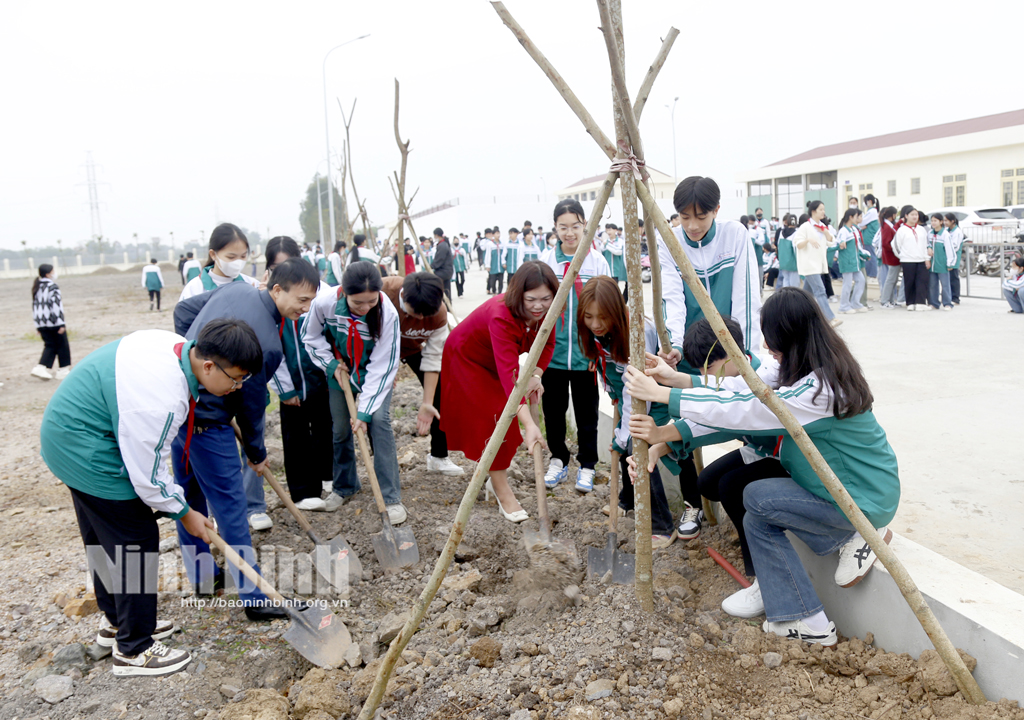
(125, 580)
(308, 441)
(214, 480)
(915, 279)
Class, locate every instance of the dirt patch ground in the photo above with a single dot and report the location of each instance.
(492, 646)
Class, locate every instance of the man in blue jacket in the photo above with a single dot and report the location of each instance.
(207, 468)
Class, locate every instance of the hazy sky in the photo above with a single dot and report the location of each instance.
(199, 112)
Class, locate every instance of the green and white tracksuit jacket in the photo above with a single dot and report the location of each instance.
(334, 270)
(944, 254)
(530, 252)
(513, 256)
(725, 263)
(568, 353)
(191, 269)
(854, 256)
(855, 448)
(611, 374)
(331, 331)
(152, 278)
(107, 431)
(206, 281)
(297, 375)
(493, 257)
(459, 258)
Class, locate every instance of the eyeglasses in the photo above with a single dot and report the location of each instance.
(235, 383)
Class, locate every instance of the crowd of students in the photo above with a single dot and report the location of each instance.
(306, 337)
(915, 257)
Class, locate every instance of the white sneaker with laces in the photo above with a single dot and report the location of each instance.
(856, 559)
(585, 480)
(107, 635)
(62, 373)
(335, 501)
(556, 473)
(312, 504)
(443, 465)
(397, 514)
(40, 372)
(260, 521)
(746, 603)
(158, 659)
(690, 523)
(798, 630)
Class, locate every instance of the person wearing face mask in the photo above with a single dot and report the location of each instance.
(481, 355)
(460, 263)
(357, 329)
(206, 462)
(229, 250)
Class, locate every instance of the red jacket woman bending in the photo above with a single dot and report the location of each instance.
(480, 366)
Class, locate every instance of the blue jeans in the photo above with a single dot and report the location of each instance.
(774, 506)
(788, 278)
(255, 503)
(814, 285)
(382, 440)
(214, 475)
(935, 281)
(853, 288)
(1015, 300)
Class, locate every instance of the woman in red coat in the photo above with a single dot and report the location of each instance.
(480, 366)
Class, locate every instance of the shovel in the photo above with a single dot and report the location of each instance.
(395, 548)
(329, 560)
(563, 550)
(608, 561)
(316, 633)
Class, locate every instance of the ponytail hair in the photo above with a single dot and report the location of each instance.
(849, 214)
(813, 205)
(952, 218)
(44, 270)
(887, 213)
(360, 277)
(869, 198)
(357, 242)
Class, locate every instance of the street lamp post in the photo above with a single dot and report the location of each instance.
(675, 170)
(327, 134)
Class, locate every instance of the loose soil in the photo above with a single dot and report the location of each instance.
(495, 643)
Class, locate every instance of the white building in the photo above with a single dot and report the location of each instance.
(977, 162)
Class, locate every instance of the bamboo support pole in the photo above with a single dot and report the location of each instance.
(954, 663)
(611, 21)
(963, 678)
(508, 416)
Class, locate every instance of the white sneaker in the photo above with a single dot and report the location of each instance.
(313, 504)
(397, 514)
(690, 523)
(556, 473)
(335, 501)
(158, 659)
(260, 521)
(585, 480)
(798, 630)
(62, 373)
(107, 635)
(42, 373)
(835, 322)
(856, 558)
(443, 465)
(746, 603)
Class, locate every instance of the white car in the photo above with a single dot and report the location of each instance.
(1018, 212)
(985, 224)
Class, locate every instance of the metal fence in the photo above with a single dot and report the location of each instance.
(985, 265)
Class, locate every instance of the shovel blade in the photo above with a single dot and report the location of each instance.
(319, 635)
(338, 564)
(607, 564)
(395, 548)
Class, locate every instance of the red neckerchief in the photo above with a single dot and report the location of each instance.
(354, 347)
(818, 226)
(191, 414)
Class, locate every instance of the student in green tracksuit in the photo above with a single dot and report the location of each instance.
(106, 434)
(821, 383)
(153, 281)
(459, 263)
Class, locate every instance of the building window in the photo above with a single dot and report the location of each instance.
(821, 181)
(890, 189)
(915, 186)
(961, 178)
(1008, 193)
(1020, 171)
(1006, 173)
(871, 186)
(947, 195)
(961, 199)
(947, 178)
(759, 188)
(789, 195)
(593, 194)
(1020, 192)
(862, 186)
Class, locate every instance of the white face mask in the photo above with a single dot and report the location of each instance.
(231, 269)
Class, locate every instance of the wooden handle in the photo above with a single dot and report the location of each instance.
(364, 448)
(286, 499)
(613, 488)
(246, 569)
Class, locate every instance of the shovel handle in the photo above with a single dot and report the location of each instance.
(613, 487)
(538, 475)
(364, 448)
(245, 568)
(290, 504)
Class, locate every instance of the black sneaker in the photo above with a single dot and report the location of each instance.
(690, 523)
(158, 659)
(106, 637)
